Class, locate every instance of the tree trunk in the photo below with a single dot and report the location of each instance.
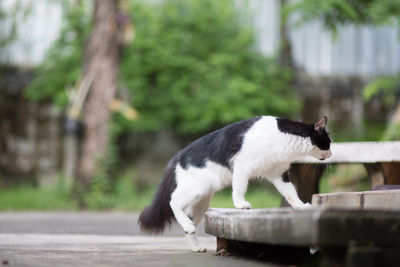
(101, 67)
(285, 50)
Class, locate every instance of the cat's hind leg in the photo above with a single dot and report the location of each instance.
(180, 202)
(187, 202)
(197, 211)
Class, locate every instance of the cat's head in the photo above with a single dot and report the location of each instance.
(320, 140)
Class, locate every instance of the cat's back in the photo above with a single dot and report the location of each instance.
(264, 134)
(218, 146)
(265, 127)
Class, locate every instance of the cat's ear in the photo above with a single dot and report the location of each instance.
(321, 124)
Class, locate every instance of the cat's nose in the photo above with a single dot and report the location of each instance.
(326, 155)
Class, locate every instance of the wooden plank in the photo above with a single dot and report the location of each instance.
(338, 200)
(381, 200)
(359, 152)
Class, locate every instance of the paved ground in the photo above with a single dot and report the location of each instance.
(97, 239)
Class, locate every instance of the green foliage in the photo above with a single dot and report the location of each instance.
(260, 195)
(371, 130)
(29, 197)
(14, 14)
(388, 88)
(385, 12)
(63, 65)
(344, 178)
(100, 194)
(386, 85)
(334, 13)
(125, 197)
(193, 67)
(392, 132)
(10, 16)
(331, 12)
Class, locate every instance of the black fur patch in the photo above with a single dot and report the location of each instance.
(285, 177)
(158, 215)
(218, 146)
(320, 139)
(294, 127)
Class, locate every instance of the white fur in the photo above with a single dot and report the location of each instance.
(266, 152)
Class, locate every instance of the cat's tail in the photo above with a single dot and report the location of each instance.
(158, 215)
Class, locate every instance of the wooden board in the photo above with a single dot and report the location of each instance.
(359, 152)
(380, 200)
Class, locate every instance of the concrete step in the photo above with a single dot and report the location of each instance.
(381, 199)
(343, 236)
(315, 227)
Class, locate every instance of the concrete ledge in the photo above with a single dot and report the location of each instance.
(261, 225)
(317, 227)
(382, 199)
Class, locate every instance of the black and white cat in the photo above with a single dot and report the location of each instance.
(259, 147)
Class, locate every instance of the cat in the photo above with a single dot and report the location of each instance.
(263, 147)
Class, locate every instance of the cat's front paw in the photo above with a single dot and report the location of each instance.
(243, 205)
(305, 206)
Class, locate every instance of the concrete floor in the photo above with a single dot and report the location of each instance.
(98, 239)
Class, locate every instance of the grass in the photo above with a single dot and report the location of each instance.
(32, 198)
(259, 195)
(125, 197)
(344, 178)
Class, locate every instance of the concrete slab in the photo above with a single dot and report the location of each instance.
(273, 226)
(381, 199)
(96, 250)
(98, 239)
(317, 227)
(100, 223)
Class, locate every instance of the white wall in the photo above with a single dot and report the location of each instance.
(35, 32)
(358, 51)
(266, 22)
(363, 51)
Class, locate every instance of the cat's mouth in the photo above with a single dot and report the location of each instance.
(325, 155)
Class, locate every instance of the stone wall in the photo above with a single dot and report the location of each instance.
(30, 133)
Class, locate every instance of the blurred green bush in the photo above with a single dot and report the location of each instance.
(192, 67)
(63, 64)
